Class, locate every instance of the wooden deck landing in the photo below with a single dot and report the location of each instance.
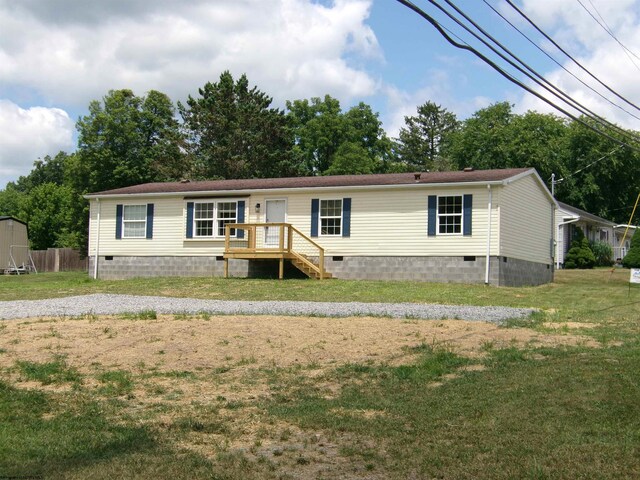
(274, 241)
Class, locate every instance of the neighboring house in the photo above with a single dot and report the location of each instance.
(594, 228)
(440, 226)
(14, 246)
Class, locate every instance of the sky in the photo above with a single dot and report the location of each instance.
(58, 55)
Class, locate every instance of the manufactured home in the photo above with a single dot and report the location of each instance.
(569, 219)
(472, 226)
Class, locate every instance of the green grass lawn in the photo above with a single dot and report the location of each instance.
(527, 412)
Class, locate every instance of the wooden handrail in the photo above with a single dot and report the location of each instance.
(281, 248)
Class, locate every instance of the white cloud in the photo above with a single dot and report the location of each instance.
(440, 89)
(288, 48)
(28, 134)
(574, 29)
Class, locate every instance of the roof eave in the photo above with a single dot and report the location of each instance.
(254, 191)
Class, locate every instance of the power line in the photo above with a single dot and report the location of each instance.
(506, 74)
(558, 63)
(540, 80)
(607, 29)
(515, 7)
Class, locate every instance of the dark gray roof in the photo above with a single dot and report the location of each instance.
(320, 181)
(8, 217)
(584, 214)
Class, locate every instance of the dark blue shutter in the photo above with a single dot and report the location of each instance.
(467, 204)
(346, 217)
(118, 222)
(189, 219)
(432, 207)
(149, 220)
(240, 233)
(315, 214)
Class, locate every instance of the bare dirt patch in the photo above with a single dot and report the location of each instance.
(188, 344)
(210, 373)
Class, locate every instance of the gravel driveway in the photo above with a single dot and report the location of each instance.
(105, 304)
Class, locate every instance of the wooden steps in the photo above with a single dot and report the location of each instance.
(309, 271)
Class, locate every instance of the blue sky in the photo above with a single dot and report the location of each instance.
(58, 55)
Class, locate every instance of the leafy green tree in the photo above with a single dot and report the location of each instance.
(125, 138)
(319, 129)
(10, 199)
(632, 258)
(601, 173)
(482, 140)
(351, 159)
(324, 135)
(47, 170)
(233, 132)
(424, 139)
(47, 209)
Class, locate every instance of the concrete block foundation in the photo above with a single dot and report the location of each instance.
(503, 271)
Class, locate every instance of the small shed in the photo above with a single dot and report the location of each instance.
(14, 246)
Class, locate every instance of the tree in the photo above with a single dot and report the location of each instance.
(324, 135)
(425, 138)
(600, 173)
(10, 199)
(47, 170)
(632, 258)
(482, 140)
(351, 159)
(319, 129)
(47, 209)
(125, 139)
(580, 254)
(234, 133)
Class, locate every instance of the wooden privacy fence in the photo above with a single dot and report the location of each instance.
(59, 260)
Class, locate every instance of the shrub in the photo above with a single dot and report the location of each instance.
(603, 253)
(580, 254)
(632, 258)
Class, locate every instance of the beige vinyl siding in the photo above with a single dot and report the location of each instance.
(169, 231)
(391, 222)
(526, 221)
(383, 222)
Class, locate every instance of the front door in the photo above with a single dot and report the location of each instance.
(276, 212)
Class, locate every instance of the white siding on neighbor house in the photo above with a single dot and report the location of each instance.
(560, 233)
(526, 221)
(384, 222)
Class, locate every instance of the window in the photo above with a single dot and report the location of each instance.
(226, 214)
(210, 218)
(134, 221)
(450, 214)
(330, 217)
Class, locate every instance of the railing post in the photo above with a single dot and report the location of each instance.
(227, 233)
(281, 228)
(289, 238)
(321, 264)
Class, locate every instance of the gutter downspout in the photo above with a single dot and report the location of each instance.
(558, 240)
(486, 273)
(95, 263)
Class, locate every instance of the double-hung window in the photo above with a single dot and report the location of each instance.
(450, 214)
(331, 217)
(210, 218)
(134, 221)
